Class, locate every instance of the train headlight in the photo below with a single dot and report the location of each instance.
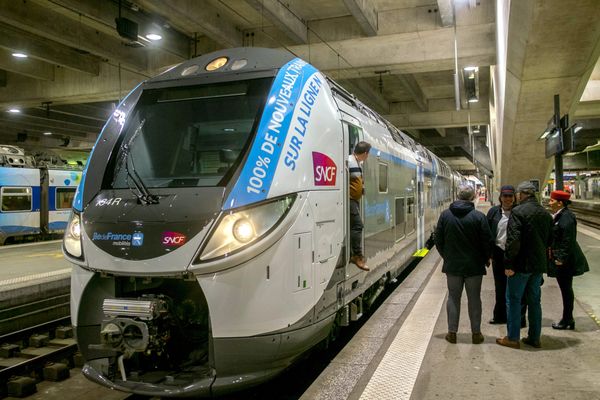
(243, 230)
(72, 238)
(238, 229)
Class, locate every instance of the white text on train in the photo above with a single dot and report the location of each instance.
(109, 202)
(305, 105)
(271, 135)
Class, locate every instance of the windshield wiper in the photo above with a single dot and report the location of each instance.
(141, 191)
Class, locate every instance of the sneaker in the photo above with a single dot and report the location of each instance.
(505, 341)
(359, 261)
(477, 338)
(531, 342)
(451, 337)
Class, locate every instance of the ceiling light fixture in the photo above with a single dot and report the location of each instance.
(14, 110)
(471, 83)
(47, 133)
(153, 36)
(19, 55)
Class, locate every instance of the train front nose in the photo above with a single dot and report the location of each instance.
(124, 236)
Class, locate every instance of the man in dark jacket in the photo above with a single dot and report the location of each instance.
(528, 238)
(463, 239)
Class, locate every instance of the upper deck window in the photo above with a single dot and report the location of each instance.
(189, 136)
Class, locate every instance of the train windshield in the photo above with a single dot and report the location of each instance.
(189, 136)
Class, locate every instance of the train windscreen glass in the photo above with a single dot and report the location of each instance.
(189, 136)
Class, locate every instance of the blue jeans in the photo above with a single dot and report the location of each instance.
(517, 286)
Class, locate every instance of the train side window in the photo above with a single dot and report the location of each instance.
(400, 225)
(410, 214)
(64, 198)
(15, 199)
(383, 178)
(353, 137)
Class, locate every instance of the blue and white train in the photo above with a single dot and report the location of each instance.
(210, 234)
(34, 201)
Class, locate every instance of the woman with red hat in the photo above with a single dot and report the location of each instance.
(567, 258)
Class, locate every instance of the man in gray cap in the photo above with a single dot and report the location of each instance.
(528, 237)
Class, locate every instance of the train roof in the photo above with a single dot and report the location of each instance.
(236, 61)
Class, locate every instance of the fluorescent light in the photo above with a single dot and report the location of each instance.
(19, 55)
(14, 110)
(471, 68)
(47, 133)
(577, 128)
(153, 36)
(473, 100)
(544, 135)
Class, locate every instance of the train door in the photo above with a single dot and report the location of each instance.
(60, 187)
(421, 205)
(352, 135)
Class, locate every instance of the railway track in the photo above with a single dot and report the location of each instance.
(42, 352)
(589, 216)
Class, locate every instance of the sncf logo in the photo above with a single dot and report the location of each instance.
(324, 169)
(173, 239)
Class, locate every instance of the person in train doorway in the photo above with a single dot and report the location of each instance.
(567, 260)
(355, 162)
(528, 237)
(464, 240)
(497, 218)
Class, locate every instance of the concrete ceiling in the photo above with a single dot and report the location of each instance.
(397, 56)
(552, 48)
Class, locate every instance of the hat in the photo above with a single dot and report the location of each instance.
(507, 189)
(526, 187)
(560, 195)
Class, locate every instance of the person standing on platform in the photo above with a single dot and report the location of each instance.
(567, 258)
(355, 161)
(464, 240)
(528, 237)
(498, 220)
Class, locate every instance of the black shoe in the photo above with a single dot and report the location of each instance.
(451, 337)
(477, 338)
(495, 321)
(562, 325)
(532, 343)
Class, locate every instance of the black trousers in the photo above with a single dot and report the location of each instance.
(500, 288)
(565, 282)
(356, 228)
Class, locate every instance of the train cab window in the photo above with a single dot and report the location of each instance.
(189, 136)
(64, 198)
(15, 199)
(383, 178)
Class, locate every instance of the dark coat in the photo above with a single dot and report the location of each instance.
(463, 239)
(565, 247)
(528, 237)
(494, 216)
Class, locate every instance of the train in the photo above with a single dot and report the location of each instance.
(36, 196)
(209, 235)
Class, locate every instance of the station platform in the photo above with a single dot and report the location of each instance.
(400, 352)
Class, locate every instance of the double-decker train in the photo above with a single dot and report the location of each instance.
(210, 232)
(35, 197)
